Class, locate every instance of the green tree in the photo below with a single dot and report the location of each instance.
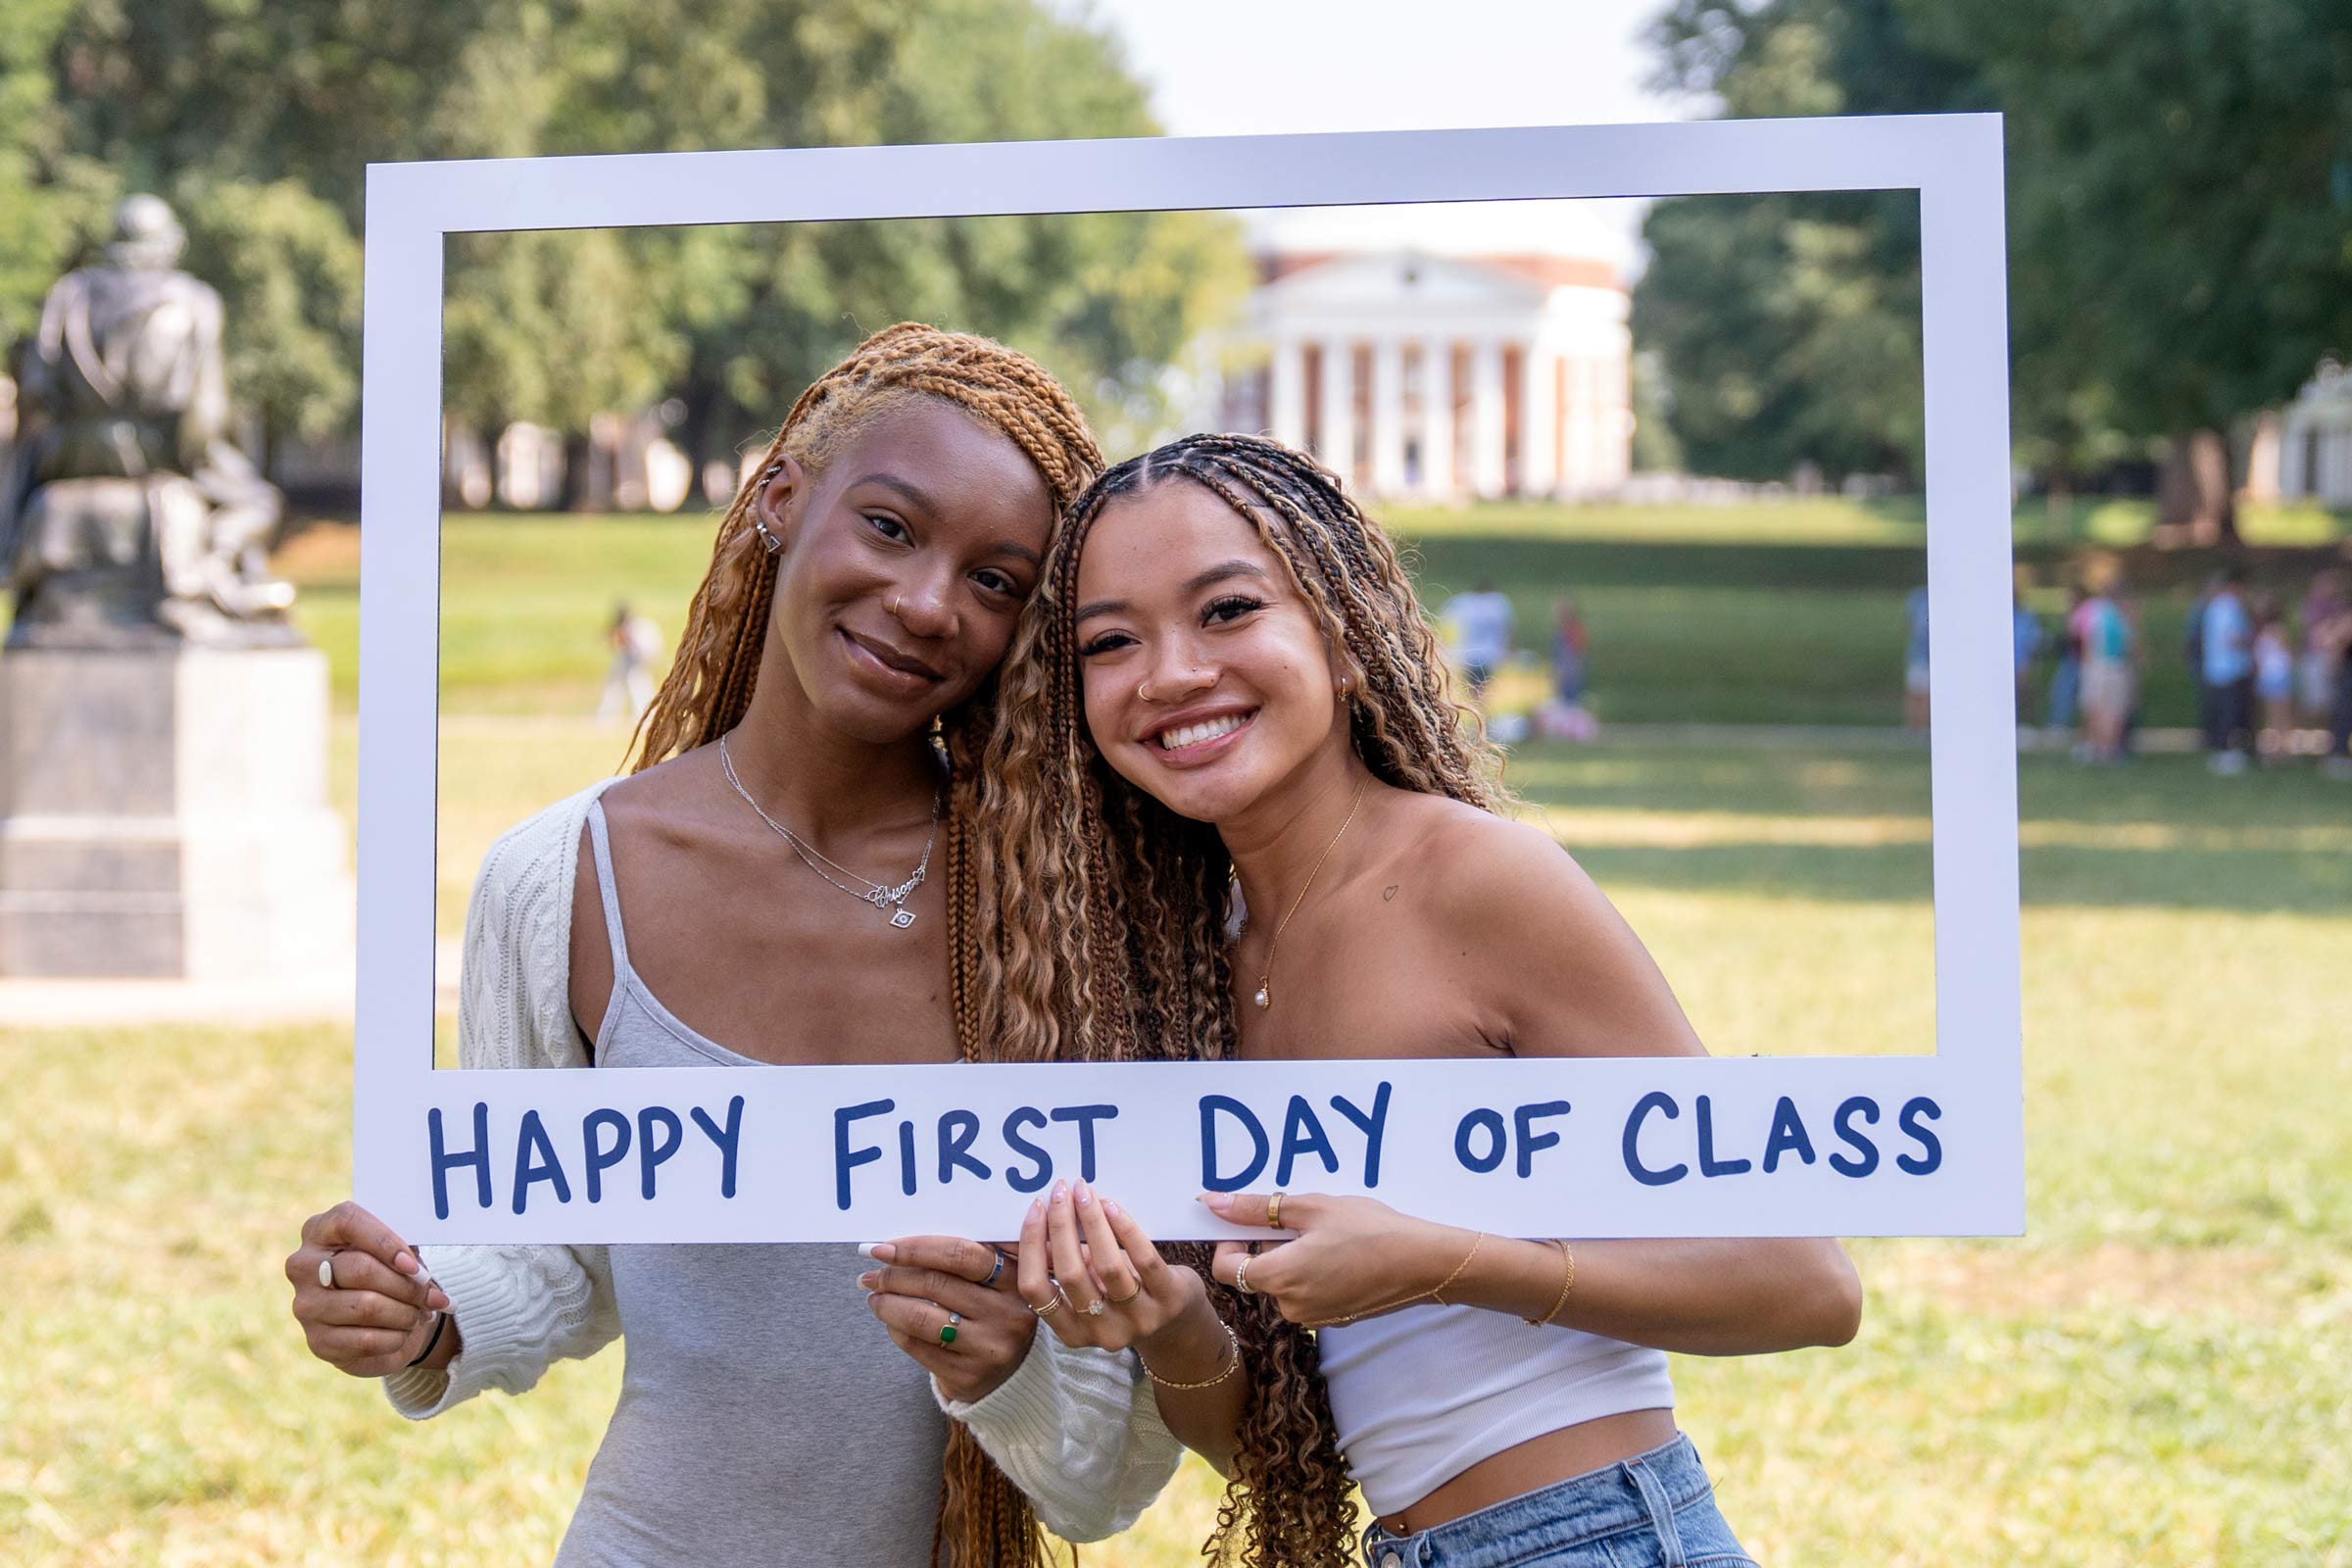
(2179, 208)
(258, 121)
(2179, 215)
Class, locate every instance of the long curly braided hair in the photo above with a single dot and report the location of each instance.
(984, 1520)
(1103, 912)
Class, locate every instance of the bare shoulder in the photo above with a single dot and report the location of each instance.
(1479, 865)
(1559, 966)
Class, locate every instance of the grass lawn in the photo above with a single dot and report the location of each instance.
(2159, 1373)
(1763, 614)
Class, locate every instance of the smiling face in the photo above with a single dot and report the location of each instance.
(905, 566)
(1207, 679)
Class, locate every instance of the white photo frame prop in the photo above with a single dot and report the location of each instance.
(1916, 1144)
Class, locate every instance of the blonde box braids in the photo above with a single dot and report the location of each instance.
(984, 1520)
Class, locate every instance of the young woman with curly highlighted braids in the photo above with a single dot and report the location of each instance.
(1225, 675)
(820, 726)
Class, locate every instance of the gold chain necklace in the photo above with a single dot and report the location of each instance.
(1265, 978)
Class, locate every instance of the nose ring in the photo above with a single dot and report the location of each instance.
(894, 606)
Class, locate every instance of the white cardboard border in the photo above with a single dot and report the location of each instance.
(1976, 1075)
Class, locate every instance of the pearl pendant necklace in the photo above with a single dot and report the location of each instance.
(1264, 995)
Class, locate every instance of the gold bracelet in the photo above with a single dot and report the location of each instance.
(1567, 1282)
(1231, 1365)
(1437, 1293)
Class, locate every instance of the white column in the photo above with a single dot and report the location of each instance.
(1336, 417)
(1436, 419)
(1285, 393)
(1584, 433)
(1538, 458)
(1485, 419)
(1387, 416)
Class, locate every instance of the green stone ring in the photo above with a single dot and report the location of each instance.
(947, 1330)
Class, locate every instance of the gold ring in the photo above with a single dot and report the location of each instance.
(1122, 1301)
(1274, 1210)
(1240, 1275)
(1049, 1308)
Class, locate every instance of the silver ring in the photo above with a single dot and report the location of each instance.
(1241, 1274)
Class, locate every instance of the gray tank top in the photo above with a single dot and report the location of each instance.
(765, 1416)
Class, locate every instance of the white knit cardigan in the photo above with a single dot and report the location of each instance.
(1075, 1429)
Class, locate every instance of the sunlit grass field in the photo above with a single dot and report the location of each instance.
(2160, 1372)
(1789, 613)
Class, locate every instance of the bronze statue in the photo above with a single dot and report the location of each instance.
(137, 518)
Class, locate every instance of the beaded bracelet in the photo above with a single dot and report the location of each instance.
(1567, 1282)
(1231, 1363)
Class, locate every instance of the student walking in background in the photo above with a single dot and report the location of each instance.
(636, 643)
(2066, 674)
(2107, 676)
(2315, 666)
(2227, 657)
(2025, 647)
(1915, 659)
(1565, 716)
(1481, 629)
(2273, 679)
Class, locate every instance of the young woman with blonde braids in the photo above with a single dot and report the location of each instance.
(1226, 674)
(820, 726)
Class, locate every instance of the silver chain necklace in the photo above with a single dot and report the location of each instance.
(890, 901)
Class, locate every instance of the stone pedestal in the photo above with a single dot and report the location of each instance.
(163, 814)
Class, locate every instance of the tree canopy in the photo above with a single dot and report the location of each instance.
(258, 123)
(2180, 213)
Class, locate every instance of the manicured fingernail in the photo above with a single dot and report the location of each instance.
(1218, 1202)
(1036, 1207)
(868, 1280)
(1085, 1194)
(1110, 1209)
(1061, 1190)
(879, 1252)
(405, 1261)
(436, 1298)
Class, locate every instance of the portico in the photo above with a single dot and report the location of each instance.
(1439, 378)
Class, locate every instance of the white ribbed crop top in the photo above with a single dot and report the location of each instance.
(1422, 1395)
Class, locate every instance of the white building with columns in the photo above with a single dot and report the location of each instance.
(2315, 440)
(1436, 378)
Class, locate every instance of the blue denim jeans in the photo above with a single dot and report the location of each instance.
(1655, 1511)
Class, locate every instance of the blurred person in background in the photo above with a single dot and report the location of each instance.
(636, 642)
(1915, 659)
(2315, 664)
(2274, 678)
(1565, 716)
(2024, 647)
(2226, 662)
(2107, 670)
(1481, 621)
(2066, 671)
